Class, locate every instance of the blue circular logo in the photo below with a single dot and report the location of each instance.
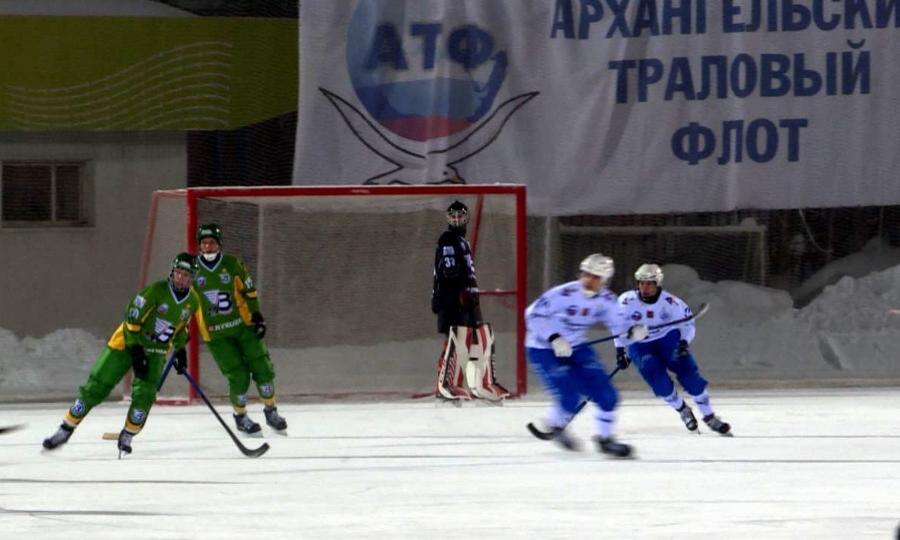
(418, 73)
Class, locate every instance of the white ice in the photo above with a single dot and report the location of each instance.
(802, 464)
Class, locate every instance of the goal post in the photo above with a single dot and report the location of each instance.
(344, 275)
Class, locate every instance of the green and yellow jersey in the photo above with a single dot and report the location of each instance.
(156, 319)
(228, 296)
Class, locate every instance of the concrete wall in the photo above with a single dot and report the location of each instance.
(82, 277)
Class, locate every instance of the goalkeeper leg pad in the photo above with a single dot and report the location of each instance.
(449, 380)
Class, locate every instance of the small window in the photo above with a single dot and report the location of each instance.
(43, 194)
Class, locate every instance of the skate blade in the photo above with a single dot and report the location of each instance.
(446, 402)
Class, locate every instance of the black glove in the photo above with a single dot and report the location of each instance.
(259, 324)
(138, 361)
(682, 348)
(622, 360)
(180, 361)
(468, 298)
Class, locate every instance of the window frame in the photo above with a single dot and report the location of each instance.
(85, 215)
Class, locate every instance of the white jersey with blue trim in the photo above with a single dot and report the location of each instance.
(567, 311)
(666, 308)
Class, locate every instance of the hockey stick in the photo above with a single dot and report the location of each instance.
(114, 435)
(700, 312)
(256, 452)
(548, 435)
(10, 429)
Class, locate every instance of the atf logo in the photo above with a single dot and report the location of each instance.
(427, 78)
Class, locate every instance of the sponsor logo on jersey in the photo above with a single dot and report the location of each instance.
(201, 281)
(665, 316)
(77, 408)
(249, 282)
(448, 250)
(139, 301)
(185, 313)
(572, 310)
(635, 315)
(134, 313)
(585, 312)
(163, 309)
(225, 277)
(137, 416)
(650, 314)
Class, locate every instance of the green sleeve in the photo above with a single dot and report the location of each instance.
(248, 288)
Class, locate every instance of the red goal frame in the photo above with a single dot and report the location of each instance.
(191, 196)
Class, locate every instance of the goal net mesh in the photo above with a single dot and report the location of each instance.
(345, 281)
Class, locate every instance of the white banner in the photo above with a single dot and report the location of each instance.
(607, 106)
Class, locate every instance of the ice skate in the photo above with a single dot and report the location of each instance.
(59, 438)
(124, 442)
(716, 424)
(275, 420)
(563, 439)
(610, 447)
(687, 416)
(245, 424)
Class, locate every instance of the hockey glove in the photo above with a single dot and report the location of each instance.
(468, 298)
(259, 324)
(622, 360)
(138, 361)
(637, 332)
(180, 361)
(682, 348)
(561, 347)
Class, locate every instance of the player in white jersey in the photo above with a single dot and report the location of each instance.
(557, 324)
(666, 349)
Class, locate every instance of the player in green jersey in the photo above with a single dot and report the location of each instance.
(156, 321)
(233, 328)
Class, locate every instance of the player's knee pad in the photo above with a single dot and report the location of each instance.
(608, 398)
(654, 373)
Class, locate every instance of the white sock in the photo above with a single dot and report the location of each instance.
(606, 421)
(557, 417)
(674, 400)
(702, 401)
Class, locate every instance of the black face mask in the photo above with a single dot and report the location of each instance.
(458, 229)
(650, 299)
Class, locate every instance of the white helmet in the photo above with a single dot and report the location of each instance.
(649, 272)
(598, 265)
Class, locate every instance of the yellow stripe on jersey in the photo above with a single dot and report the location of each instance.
(239, 300)
(117, 340)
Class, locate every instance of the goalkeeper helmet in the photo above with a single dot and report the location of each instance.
(458, 215)
(209, 230)
(649, 272)
(598, 265)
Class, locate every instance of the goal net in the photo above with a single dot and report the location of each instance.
(344, 276)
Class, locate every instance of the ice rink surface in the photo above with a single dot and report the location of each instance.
(802, 464)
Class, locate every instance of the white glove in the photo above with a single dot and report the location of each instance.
(561, 347)
(637, 332)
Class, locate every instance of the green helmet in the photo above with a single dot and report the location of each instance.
(209, 230)
(185, 261)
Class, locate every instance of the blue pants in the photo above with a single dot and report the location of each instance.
(570, 380)
(656, 358)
